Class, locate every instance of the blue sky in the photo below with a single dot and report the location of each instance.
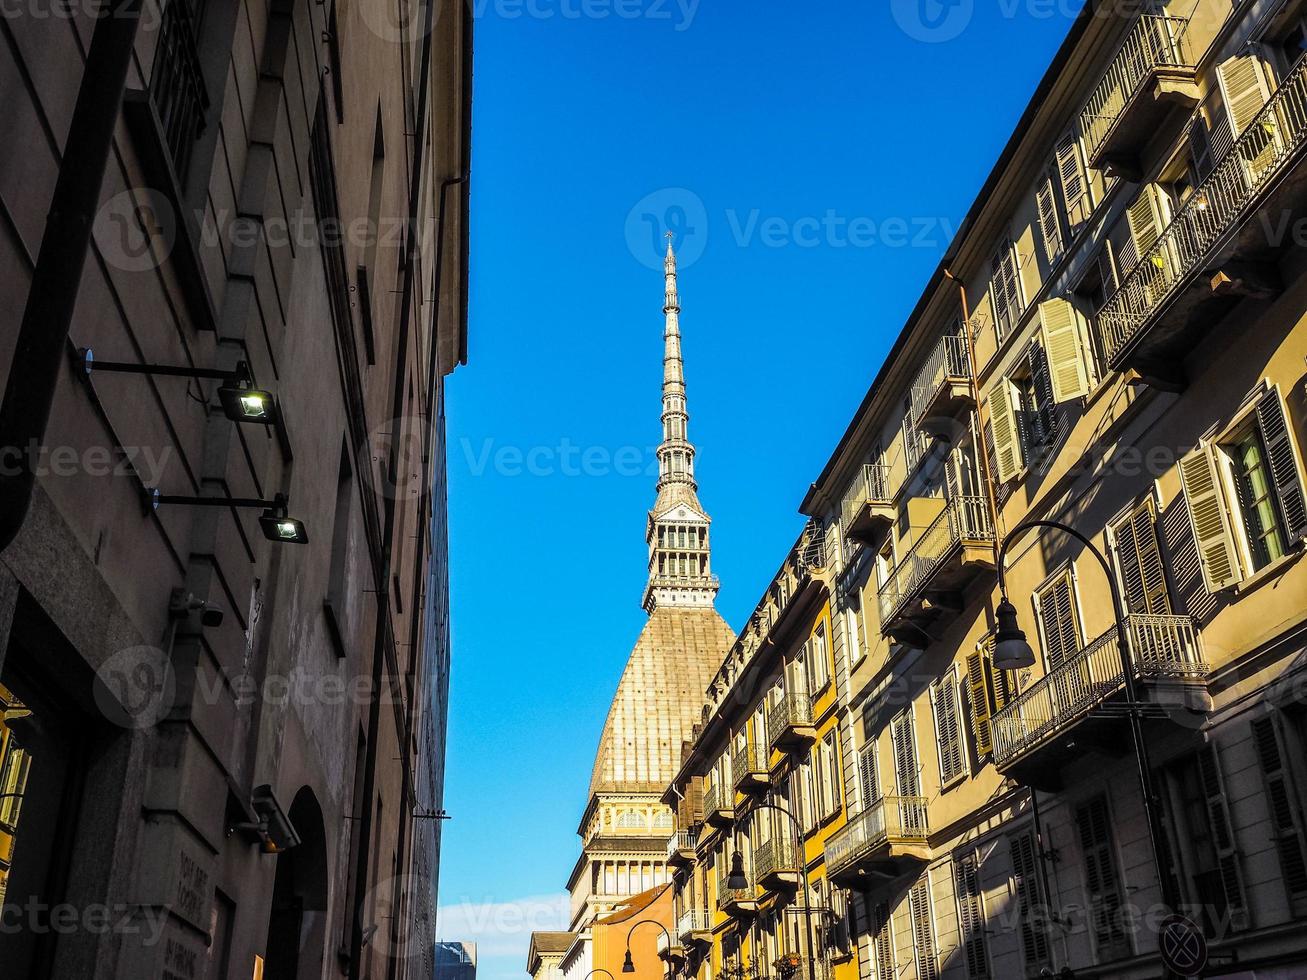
(814, 161)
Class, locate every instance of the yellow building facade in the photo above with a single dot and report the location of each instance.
(1114, 343)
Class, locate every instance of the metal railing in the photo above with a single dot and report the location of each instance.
(692, 921)
(1156, 41)
(948, 361)
(964, 518)
(871, 484)
(681, 840)
(775, 856)
(889, 820)
(715, 799)
(810, 552)
(791, 711)
(1216, 205)
(177, 84)
(1163, 647)
(749, 759)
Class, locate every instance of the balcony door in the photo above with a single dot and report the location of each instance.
(1141, 571)
(907, 772)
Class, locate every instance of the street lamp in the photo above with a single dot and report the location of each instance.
(241, 401)
(737, 879)
(628, 966)
(599, 970)
(276, 524)
(1011, 651)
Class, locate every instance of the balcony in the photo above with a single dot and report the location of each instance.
(1213, 252)
(681, 847)
(789, 721)
(1151, 75)
(955, 547)
(718, 806)
(738, 902)
(1071, 711)
(776, 865)
(670, 949)
(886, 840)
(866, 512)
(694, 927)
(943, 391)
(749, 765)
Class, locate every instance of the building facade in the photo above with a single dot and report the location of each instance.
(238, 233)
(1115, 342)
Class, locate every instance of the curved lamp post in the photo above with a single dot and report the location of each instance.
(628, 966)
(738, 879)
(599, 970)
(1012, 652)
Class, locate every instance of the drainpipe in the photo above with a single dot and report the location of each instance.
(52, 296)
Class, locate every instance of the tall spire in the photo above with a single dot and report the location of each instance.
(680, 572)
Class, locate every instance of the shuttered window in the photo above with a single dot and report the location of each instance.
(923, 930)
(1285, 813)
(905, 756)
(971, 915)
(1059, 620)
(988, 691)
(1029, 900)
(1283, 462)
(1145, 217)
(1102, 880)
(1064, 331)
(1209, 519)
(868, 775)
(1075, 185)
(886, 968)
(1245, 90)
(1139, 561)
(1008, 457)
(1050, 221)
(1005, 288)
(948, 729)
(831, 795)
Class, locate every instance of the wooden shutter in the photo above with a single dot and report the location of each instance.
(1286, 818)
(905, 756)
(1102, 880)
(1243, 89)
(1285, 468)
(1003, 425)
(1209, 519)
(1060, 624)
(923, 932)
(1063, 331)
(1050, 225)
(1145, 220)
(1139, 558)
(1222, 829)
(868, 775)
(971, 915)
(1006, 288)
(977, 685)
(886, 968)
(1075, 188)
(944, 694)
(1025, 884)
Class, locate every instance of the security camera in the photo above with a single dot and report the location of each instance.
(182, 603)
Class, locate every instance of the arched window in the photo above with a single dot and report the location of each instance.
(631, 820)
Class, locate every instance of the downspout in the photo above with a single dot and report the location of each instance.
(383, 626)
(52, 296)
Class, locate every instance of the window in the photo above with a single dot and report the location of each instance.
(1074, 181)
(1023, 416)
(1242, 527)
(1285, 811)
(907, 777)
(971, 914)
(1005, 289)
(1138, 554)
(1065, 333)
(1059, 620)
(1102, 880)
(1292, 42)
(1029, 902)
(989, 690)
(868, 775)
(832, 794)
(177, 86)
(817, 660)
(948, 731)
(886, 968)
(854, 647)
(1050, 217)
(923, 930)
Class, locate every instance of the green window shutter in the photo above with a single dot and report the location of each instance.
(1209, 519)
(1063, 329)
(1285, 467)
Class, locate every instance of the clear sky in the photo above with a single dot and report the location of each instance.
(814, 160)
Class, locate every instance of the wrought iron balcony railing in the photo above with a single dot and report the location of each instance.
(177, 83)
(791, 712)
(888, 821)
(1156, 41)
(773, 858)
(718, 805)
(871, 485)
(749, 764)
(1217, 205)
(693, 922)
(948, 362)
(964, 518)
(681, 842)
(1164, 647)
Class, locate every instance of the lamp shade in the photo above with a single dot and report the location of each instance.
(737, 880)
(1011, 650)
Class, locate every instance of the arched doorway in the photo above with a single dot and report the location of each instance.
(298, 918)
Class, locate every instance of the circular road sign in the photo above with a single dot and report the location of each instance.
(1184, 948)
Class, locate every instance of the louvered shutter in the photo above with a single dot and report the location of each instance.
(971, 915)
(1139, 557)
(905, 756)
(1063, 330)
(1286, 818)
(868, 775)
(1025, 883)
(1245, 91)
(1003, 425)
(1282, 455)
(1071, 171)
(977, 675)
(1209, 519)
(1102, 880)
(947, 729)
(1218, 816)
(923, 933)
(1145, 219)
(1049, 224)
(1057, 616)
(1006, 289)
(886, 968)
